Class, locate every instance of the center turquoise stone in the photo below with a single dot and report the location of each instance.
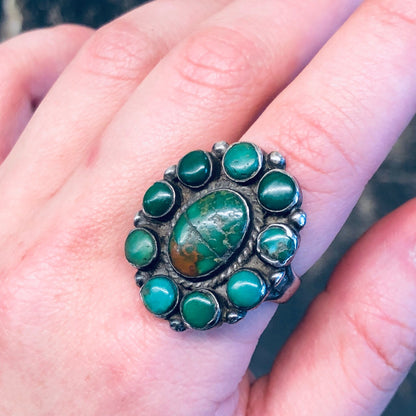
(208, 233)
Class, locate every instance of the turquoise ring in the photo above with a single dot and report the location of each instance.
(216, 236)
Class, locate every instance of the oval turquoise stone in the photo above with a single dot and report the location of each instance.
(195, 168)
(140, 247)
(246, 289)
(277, 191)
(159, 294)
(158, 199)
(242, 161)
(208, 233)
(200, 309)
(276, 246)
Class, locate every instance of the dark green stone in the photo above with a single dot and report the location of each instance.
(159, 294)
(277, 191)
(158, 199)
(195, 168)
(199, 309)
(276, 245)
(245, 289)
(140, 247)
(208, 233)
(242, 161)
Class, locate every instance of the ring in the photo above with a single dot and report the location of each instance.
(216, 236)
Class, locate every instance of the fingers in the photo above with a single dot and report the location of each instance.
(31, 64)
(358, 340)
(337, 121)
(210, 87)
(85, 98)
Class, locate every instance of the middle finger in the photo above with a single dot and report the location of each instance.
(210, 87)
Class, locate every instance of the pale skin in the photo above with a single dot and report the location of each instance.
(128, 101)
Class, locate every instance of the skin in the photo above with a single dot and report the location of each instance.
(119, 105)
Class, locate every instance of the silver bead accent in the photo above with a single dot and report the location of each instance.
(298, 218)
(277, 160)
(220, 148)
(234, 317)
(138, 218)
(170, 173)
(277, 277)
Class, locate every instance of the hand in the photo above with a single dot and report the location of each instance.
(162, 80)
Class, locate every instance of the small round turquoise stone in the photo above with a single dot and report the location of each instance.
(140, 247)
(277, 191)
(276, 246)
(195, 168)
(208, 233)
(242, 161)
(159, 294)
(246, 289)
(200, 309)
(158, 199)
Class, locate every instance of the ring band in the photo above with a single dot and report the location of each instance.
(216, 236)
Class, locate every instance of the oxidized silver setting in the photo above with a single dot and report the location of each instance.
(280, 282)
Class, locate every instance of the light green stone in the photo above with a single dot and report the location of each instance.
(158, 199)
(159, 294)
(195, 168)
(276, 245)
(246, 289)
(208, 233)
(140, 247)
(277, 191)
(242, 161)
(200, 309)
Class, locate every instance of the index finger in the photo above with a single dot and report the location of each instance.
(338, 120)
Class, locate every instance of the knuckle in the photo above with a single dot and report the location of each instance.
(120, 51)
(394, 24)
(396, 14)
(65, 31)
(10, 74)
(388, 342)
(217, 58)
(309, 138)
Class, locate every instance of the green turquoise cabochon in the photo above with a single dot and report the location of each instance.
(278, 191)
(208, 233)
(140, 247)
(159, 295)
(246, 289)
(195, 168)
(200, 309)
(277, 244)
(216, 236)
(242, 161)
(159, 199)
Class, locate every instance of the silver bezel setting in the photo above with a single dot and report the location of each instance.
(297, 199)
(279, 279)
(259, 158)
(216, 317)
(208, 178)
(155, 254)
(290, 233)
(263, 289)
(173, 203)
(173, 307)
